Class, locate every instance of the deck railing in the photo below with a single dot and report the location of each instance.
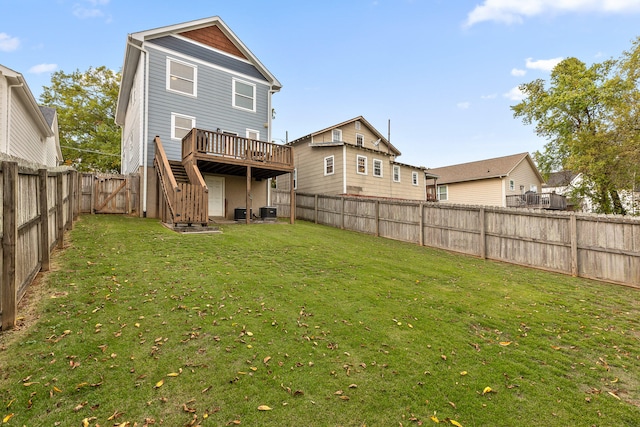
(187, 203)
(202, 143)
(537, 201)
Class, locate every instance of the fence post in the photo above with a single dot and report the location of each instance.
(483, 237)
(9, 295)
(377, 218)
(342, 213)
(573, 232)
(421, 231)
(44, 218)
(70, 199)
(59, 211)
(315, 207)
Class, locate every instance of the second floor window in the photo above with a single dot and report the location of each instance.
(244, 95)
(442, 192)
(396, 173)
(414, 178)
(377, 167)
(359, 140)
(361, 167)
(336, 135)
(328, 165)
(181, 77)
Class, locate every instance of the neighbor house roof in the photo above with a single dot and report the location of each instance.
(136, 40)
(498, 167)
(361, 119)
(560, 179)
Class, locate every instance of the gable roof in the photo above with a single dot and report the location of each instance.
(211, 32)
(361, 119)
(560, 179)
(498, 167)
(22, 90)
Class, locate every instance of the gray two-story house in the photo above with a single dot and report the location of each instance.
(195, 111)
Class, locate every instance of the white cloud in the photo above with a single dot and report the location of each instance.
(518, 72)
(515, 94)
(43, 68)
(543, 64)
(514, 11)
(8, 43)
(463, 105)
(490, 96)
(90, 9)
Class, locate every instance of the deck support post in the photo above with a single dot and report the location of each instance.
(248, 202)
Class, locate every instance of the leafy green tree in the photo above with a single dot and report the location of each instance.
(589, 116)
(86, 105)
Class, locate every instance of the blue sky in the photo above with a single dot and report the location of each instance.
(443, 72)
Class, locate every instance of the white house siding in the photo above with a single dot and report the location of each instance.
(405, 188)
(133, 131)
(482, 192)
(25, 140)
(212, 107)
(522, 175)
(309, 163)
(3, 114)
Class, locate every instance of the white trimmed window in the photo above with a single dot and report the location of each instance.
(357, 124)
(328, 165)
(414, 178)
(181, 125)
(253, 134)
(244, 95)
(182, 77)
(443, 193)
(512, 185)
(377, 168)
(359, 140)
(336, 135)
(361, 165)
(396, 173)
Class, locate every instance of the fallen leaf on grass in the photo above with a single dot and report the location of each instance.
(463, 373)
(264, 408)
(614, 395)
(435, 419)
(159, 384)
(487, 390)
(7, 418)
(505, 343)
(455, 423)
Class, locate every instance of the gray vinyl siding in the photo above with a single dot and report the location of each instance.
(212, 108)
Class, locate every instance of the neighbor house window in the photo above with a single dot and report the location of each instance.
(181, 77)
(181, 125)
(512, 185)
(359, 140)
(443, 192)
(414, 178)
(357, 124)
(377, 167)
(253, 134)
(328, 165)
(295, 179)
(244, 95)
(336, 135)
(396, 173)
(361, 162)
(533, 188)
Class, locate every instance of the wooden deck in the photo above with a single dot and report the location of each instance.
(550, 201)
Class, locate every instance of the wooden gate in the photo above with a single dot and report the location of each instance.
(108, 194)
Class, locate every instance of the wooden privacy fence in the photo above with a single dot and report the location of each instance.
(38, 206)
(592, 246)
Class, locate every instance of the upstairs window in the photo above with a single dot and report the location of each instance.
(377, 168)
(396, 173)
(361, 165)
(244, 95)
(181, 77)
(359, 140)
(512, 185)
(442, 193)
(328, 165)
(336, 135)
(414, 178)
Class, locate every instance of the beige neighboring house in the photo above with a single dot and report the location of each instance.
(27, 131)
(487, 182)
(353, 158)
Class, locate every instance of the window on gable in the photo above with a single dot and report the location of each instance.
(359, 140)
(361, 162)
(357, 124)
(414, 178)
(328, 165)
(181, 77)
(443, 192)
(512, 185)
(244, 95)
(377, 167)
(336, 135)
(396, 173)
(181, 125)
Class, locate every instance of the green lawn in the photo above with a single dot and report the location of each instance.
(324, 327)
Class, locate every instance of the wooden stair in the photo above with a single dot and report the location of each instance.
(179, 173)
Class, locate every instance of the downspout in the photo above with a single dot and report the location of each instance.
(344, 168)
(145, 127)
(7, 142)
